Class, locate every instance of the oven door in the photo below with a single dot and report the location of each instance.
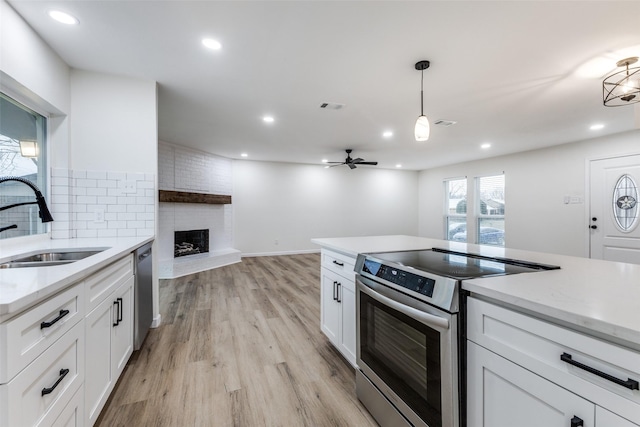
(408, 350)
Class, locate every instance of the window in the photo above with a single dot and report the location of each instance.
(456, 209)
(20, 126)
(490, 210)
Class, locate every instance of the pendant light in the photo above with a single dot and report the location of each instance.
(422, 124)
(622, 87)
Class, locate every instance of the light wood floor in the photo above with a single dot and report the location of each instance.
(239, 346)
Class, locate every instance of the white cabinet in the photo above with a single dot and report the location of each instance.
(529, 365)
(503, 394)
(55, 358)
(338, 302)
(109, 338)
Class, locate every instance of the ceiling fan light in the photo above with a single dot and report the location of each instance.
(422, 129)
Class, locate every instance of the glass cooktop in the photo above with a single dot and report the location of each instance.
(459, 265)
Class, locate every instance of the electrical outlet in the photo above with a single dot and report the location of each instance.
(128, 186)
(98, 215)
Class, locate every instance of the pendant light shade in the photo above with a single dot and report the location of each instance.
(622, 87)
(422, 128)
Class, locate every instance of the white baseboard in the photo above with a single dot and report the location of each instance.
(306, 251)
(156, 321)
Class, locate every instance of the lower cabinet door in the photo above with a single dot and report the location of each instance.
(503, 394)
(348, 335)
(330, 307)
(122, 332)
(109, 339)
(98, 358)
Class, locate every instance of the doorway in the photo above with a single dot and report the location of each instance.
(614, 212)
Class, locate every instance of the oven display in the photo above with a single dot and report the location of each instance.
(414, 282)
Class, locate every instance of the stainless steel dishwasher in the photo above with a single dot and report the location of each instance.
(143, 294)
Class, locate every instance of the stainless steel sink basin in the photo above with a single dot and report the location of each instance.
(50, 258)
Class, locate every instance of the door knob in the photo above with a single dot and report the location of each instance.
(594, 219)
(593, 227)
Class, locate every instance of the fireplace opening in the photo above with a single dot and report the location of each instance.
(190, 242)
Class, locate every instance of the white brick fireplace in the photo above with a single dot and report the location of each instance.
(186, 170)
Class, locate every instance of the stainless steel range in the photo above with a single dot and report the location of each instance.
(411, 341)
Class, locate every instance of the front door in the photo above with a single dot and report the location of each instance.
(615, 209)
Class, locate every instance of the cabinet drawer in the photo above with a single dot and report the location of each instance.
(32, 332)
(339, 263)
(100, 284)
(538, 346)
(39, 394)
(72, 414)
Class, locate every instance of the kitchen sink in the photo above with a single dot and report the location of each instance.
(50, 258)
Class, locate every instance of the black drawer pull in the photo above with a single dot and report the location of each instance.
(630, 384)
(117, 313)
(51, 323)
(339, 264)
(120, 304)
(577, 422)
(63, 373)
(338, 293)
(335, 298)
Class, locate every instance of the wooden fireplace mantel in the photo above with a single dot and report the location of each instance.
(188, 197)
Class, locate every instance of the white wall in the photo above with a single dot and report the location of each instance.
(114, 123)
(293, 203)
(37, 76)
(536, 183)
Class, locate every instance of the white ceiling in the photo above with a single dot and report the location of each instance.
(519, 75)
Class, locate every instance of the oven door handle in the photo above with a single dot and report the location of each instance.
(428, 319)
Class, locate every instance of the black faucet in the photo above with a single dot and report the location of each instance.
(43, 210)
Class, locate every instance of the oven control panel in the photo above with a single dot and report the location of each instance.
(414, 282)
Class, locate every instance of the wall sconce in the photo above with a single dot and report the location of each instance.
(29, 148)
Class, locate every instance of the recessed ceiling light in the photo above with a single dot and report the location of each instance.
(398, 165)
(324, 160)
(268, 119)
(212, 44)
(597, 126)
(63, 17)
(485, 145)
(244, 155)
(387, 134)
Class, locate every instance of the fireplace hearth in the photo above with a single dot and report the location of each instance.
(190, 242)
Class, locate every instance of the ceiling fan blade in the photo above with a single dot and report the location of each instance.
(358, 160)
(368, 163)
(351, 165)
(338, 163)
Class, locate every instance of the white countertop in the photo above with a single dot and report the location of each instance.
(21, 288)
(597, 297)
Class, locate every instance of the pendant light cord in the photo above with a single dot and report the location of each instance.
(421, 93)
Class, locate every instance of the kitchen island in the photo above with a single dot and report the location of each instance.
(534, 332)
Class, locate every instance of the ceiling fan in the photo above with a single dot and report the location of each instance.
(352, 162)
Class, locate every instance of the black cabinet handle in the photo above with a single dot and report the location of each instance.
(120, 304)
(593, 227)
(629, 383)
(51, 323)
(340, 264)
(63, 373)
(338, 293)
(117, 304)
(334, 290)
(576, 422)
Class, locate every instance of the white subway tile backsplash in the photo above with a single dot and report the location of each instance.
(120, 196)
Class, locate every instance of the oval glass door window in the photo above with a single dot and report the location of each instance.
(625, 203)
